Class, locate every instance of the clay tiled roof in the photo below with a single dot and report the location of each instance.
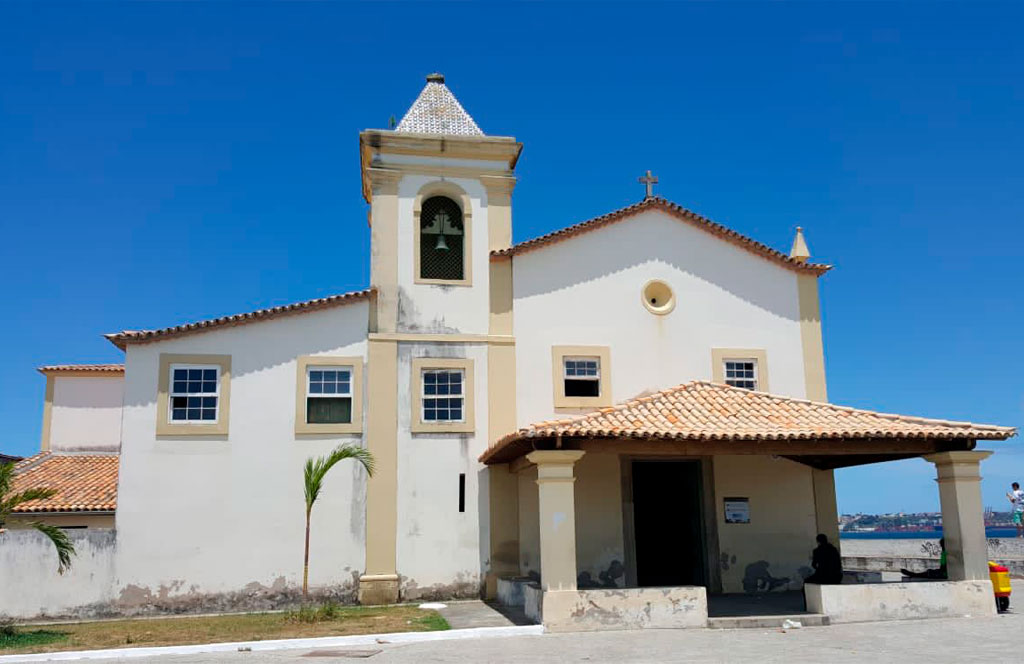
(674, 210)
(87, 368)
(701, 410)
(437, 111)
(122, 339)
(84, 482)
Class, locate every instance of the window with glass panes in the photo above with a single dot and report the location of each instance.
(328, 395)
(582, 376)
(741, 373)
(195, 393)
(443, 395)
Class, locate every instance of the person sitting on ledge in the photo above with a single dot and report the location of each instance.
(939, 573)
(827, 564)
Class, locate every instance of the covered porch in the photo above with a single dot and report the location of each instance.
(631, 516)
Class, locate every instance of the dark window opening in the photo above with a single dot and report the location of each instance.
(582, 388)
(442, 240)
(329, 410)
(462, 492)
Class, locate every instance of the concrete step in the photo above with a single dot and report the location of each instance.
(767, 622)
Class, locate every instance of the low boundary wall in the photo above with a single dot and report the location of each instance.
(625, 608)
(866, 602)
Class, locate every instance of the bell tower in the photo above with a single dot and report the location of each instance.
(440, 195)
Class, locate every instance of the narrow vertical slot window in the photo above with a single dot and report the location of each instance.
(462, 492)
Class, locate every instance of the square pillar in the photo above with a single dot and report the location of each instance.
(963, 524)
(557, 506)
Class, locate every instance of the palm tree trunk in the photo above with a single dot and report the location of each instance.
(305, 562)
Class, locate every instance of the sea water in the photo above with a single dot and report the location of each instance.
(1001, 533)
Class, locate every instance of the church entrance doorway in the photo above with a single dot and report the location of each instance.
(668, 523)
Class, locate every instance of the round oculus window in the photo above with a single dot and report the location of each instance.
(658, 297)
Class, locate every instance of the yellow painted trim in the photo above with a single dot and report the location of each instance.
(498, 339)
(384, 248)
(759, 355)
(44, 443)
(417, 425)
(499, 210)
(604, 397)
(826, 510)
(220, 428)
(810, 338)
(382, 488)
(301, 365)
(459, 195)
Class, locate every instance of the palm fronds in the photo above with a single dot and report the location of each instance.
(61, 542)
(9, 501)
(313, 478)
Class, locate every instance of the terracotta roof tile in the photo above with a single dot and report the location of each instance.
(84, 482)
(701, 410)
(89, 368)
(122, 339)
(677, 211)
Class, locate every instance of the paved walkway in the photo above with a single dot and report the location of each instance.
(948, 640)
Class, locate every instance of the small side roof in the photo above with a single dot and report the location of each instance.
(79, 369)
(705, 411)
(83, 482)
(122, 339)
(673, 210)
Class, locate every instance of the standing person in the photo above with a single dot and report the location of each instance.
(827, 563)
(1016, 498)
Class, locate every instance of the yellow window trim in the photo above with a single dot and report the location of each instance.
(220, 428)
(417, 425)
(301, 385)
(457, 194)
(759, 355)
(604, 355)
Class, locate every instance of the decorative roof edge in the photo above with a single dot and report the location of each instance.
(123, 338)
(81, 368)
(677, 211)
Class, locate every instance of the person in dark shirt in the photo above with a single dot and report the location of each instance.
(827, 564)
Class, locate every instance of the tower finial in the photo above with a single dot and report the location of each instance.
(436, 77)
(799, 252)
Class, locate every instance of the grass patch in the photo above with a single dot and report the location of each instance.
(309, 621)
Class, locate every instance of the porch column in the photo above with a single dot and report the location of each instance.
(557, 506)
(963, 525)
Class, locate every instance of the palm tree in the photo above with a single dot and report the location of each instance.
(9, 501)
(314, 478)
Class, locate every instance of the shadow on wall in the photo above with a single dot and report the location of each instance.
(655, 237)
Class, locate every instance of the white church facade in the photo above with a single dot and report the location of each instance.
(637, 401)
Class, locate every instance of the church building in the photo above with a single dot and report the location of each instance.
(603, 425)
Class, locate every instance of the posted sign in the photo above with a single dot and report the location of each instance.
(737, 510)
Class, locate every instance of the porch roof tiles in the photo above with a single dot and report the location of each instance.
(83, 482)
(701, 410)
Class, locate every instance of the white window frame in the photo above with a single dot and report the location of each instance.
(310, 368)
(596, 359)
(425, 397)
(746, 360)
(171, 394)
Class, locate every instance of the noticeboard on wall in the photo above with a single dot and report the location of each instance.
(737, 510)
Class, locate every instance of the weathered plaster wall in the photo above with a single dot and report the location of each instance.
(773, 551)
(865, 602)
(440, 550)
(30, 585)
(205, 516)
(587, 291)
(599, 535)
(529, 522)
(72, 519)
(630, 608)
(86, 414)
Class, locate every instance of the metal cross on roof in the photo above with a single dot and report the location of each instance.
(649, 181)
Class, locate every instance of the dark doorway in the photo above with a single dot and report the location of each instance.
(667, 518)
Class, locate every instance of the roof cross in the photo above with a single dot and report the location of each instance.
(649, 181)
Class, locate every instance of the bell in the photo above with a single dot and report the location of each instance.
(441, 244)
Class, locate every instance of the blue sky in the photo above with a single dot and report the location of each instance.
(162, 163)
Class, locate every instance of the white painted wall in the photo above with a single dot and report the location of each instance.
(440, 550)
(443, 309)
(213, 515)
(587, 291)
(86, 414)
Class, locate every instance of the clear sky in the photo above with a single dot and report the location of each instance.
(165, 163)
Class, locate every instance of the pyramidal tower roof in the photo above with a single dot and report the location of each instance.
(437, 111)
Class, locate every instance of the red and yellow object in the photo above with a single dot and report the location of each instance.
(1000, 577)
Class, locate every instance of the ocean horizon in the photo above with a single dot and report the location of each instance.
(990, 532)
